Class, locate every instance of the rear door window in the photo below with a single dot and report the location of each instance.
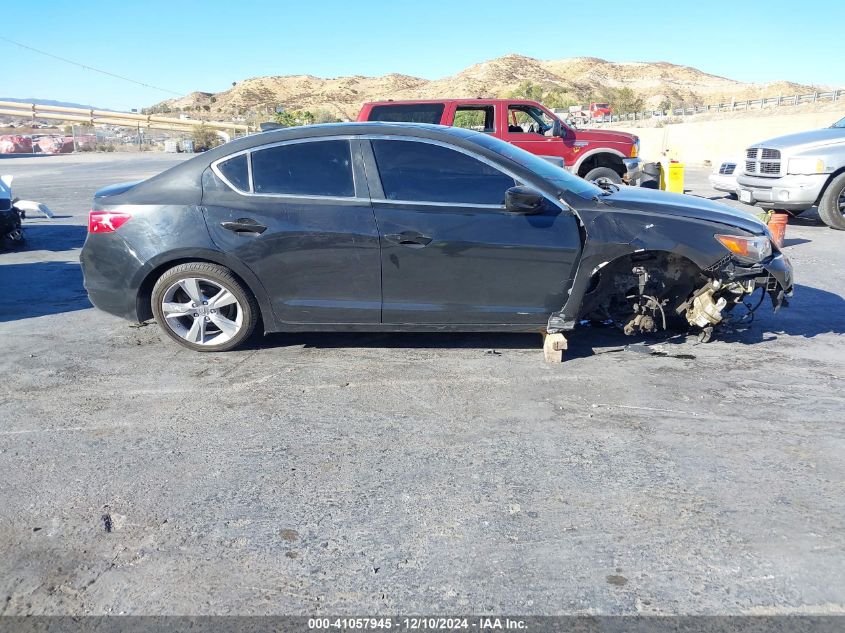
(408, 113)
(424, 172)
(236, 172)
(317, 168)
(478, 118)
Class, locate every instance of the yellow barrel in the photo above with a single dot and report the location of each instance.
(672, 177)
(676, 177)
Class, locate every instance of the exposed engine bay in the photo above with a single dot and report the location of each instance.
(652, 292)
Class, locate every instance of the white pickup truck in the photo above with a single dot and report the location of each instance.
(798, 171)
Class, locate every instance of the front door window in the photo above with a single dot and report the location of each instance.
(526, 119)
(423, 172)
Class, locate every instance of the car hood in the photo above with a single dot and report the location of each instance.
(805, 140)
(664, 203)
(607, 136)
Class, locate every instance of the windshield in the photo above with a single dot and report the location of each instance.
(546, 170)
(839, 124)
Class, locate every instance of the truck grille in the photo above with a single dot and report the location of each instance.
(726, 169)
(762, 161)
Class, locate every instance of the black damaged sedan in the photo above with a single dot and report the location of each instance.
(403, 227)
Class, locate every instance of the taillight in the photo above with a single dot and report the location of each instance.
(106, 221)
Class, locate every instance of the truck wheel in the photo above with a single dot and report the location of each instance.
(832, 206)
(603, 173)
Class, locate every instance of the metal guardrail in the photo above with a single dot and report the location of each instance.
(733, 106)
(107, 117)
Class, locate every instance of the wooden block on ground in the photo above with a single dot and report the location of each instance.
(553, 347)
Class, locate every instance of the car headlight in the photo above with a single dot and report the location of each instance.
(805, 166)
(635, 149)
(753, 249)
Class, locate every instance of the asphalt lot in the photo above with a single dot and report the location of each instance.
(350, 473)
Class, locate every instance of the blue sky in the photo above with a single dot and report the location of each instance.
(186, 45)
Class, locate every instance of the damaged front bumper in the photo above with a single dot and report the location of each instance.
(730, 282)
(774, 274)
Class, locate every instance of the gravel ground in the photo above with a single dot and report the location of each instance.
(351, 473)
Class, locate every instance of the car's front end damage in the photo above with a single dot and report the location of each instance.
(730, 283)
(653, 261)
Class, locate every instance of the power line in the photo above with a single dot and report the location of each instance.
(87, 67)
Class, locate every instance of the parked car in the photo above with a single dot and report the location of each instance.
(724, 176)
(15, 144)
(799, 171)
(403, 227)
(11, 235)
(591, 154)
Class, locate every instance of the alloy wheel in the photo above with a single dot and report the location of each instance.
(201, 311)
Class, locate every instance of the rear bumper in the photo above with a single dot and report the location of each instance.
(787, 192)
(108, 266)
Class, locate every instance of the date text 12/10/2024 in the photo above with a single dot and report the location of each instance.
(418, 623)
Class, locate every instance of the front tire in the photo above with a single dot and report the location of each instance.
(832, 205)
(603, 173)
(204, 307)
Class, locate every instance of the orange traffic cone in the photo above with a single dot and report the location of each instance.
(777, 225)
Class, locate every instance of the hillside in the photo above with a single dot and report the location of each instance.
(578, 78)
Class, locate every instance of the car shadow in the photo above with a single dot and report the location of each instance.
(27, 155)
(807, 218)
(40, 288)
(811, 312)
(491, 341)
(45, 236)
(795, 241)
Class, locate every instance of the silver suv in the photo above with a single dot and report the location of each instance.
(797, 172)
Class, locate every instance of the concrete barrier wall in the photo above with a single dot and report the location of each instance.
(694, 143)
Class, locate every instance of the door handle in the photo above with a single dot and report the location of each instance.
(244, 225)
(409, 238)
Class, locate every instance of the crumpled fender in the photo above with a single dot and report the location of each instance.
(611, 233)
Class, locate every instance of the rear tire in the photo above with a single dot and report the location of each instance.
(603, 173)
(204, 307)
(832, 205)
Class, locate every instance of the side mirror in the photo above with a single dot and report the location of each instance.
(557, 128)
(524, 200)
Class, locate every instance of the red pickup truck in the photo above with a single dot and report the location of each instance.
(591, 154)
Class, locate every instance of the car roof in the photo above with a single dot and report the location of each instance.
(480, 100)
(389, 128)
(188, 175)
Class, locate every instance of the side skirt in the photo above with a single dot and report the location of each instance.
(411, 327)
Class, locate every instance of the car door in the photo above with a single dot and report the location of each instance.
(526, 127)
(450, 252)
(298, 214)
